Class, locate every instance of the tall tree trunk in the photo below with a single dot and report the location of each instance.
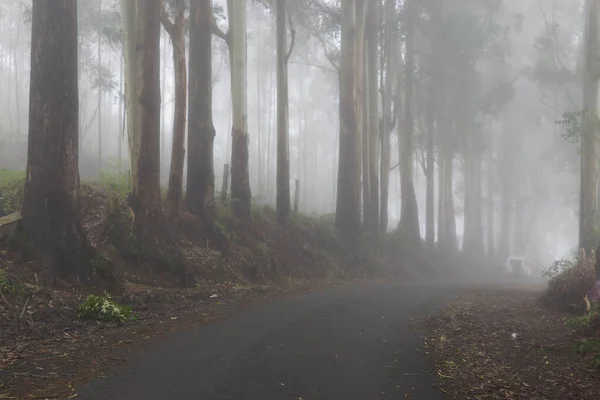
(240, 174)
(200, 191)
(589, 148)
(142, 55)
(163, 88)
(99, 71)
(17, 80)
(473, 228)
(121, 130)
(409, 216)
(283, 151)
(446, 218)
(176, 31)
(430, 173)
(347, 216)
(390, 57)
(361, 98)
(51, 223)
(373, 101)
(491, 242)
(506, 184)
(259, 160)
(365, 135)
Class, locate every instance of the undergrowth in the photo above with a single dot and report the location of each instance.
(569, 282)
(103, 308)
(11, 191)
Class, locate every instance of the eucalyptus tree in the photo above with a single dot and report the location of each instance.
(236, 39)
(283, 151)
(176, 29)
(51, 224)
(588, 200)
(200, 191)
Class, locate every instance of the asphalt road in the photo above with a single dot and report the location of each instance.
(360, 341)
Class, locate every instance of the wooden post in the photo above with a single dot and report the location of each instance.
(225, 184)
(297, 195)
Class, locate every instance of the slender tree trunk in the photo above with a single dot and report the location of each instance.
(99, 67)
(373, 101)
(163, 88)
(366, 151)
(360, 100)
(240, 175)
(446, 218)
(430, 174)
(129, 10)
(201, 132)
(347, 218)
(121, 131)
(491, 243)
(17, 80)
(283, 151)
(409, 216)
(176, 31)
(507, 197)
(473, 228)
(269, 137)
(259, 161)
(390, 61)
(589, 153)
(51, 223)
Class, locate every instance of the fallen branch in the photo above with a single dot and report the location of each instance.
(11, 218)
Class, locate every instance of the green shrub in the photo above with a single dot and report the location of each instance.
(12, 184)
(589, 347)
(5, 285)
(585, 321)
(569, 282)
(114, 182)
(103, 308)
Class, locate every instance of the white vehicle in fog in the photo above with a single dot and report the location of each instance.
(517, 265)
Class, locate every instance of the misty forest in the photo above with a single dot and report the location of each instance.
(162, 158)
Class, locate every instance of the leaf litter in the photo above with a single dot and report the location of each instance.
(502, 343)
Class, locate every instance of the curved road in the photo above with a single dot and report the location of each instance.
(360, 341)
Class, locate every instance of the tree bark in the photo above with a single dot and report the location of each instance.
(491, 241)
(51, 223)
(390, 57)
(241, 194)
(283, 151)
(141, 22)
(430, 173)
(347, 216)
(473, 228)
(176, 31)
(99, 69)
(200, 193)
(409, 216)
(373, 100)
(446, 218)
(589, 147)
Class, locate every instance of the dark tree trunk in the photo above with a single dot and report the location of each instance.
(283, 152)
(241, 195)
(200, 192)
(347, 214)
(146, 191)
(176, 31)
(51, 219)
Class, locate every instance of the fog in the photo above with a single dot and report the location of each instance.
(525, 75)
